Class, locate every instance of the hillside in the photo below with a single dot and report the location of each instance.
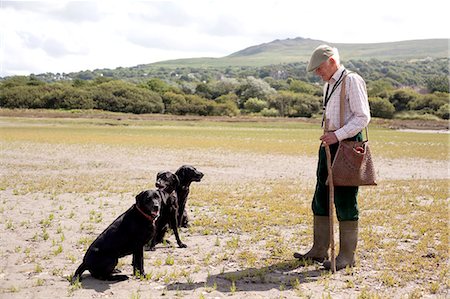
(299, 50)
(413, 60)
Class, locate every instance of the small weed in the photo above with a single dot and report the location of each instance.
(9, 225)
(233, 243)
(415, 294)
(349, 284)
(39, 282)
(434, 287)
(85, 241)
(57, 250)
(76, 285)
(57, 272)
(170, 260)
(37, 268)
(95, 217)
(71, 258)
(365, 294)
(189, 279)
(148, 275)
(45, 234)
(233, 287)
(13, 289)
(158, 262)
(47, 221)
(388, 280)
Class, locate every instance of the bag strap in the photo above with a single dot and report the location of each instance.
(342, 105)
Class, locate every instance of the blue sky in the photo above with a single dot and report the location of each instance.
(65, 36)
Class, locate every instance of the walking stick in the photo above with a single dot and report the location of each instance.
(331, 208)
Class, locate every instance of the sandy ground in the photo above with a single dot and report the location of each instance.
(32, 267)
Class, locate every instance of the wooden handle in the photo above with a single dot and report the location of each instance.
(331, 209)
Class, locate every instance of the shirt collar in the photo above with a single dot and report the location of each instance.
(336, 75)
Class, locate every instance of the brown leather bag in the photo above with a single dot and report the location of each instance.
(352, 164)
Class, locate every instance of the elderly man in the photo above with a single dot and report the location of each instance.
(326, 64)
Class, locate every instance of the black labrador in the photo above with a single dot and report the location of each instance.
(186, 174)
(167, 182)
(126, 235)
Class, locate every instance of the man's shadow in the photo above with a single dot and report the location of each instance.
(286, 275)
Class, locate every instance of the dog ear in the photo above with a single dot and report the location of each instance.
(140, 196)
(159, 174)
(181, 172)
(177, 181)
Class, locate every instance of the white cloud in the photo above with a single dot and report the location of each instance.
(65, 36)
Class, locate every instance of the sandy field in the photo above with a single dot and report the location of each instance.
(51, 212)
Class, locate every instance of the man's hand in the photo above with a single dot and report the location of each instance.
(329, 138)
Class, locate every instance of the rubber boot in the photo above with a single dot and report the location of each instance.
(319, 250)
(348, 239)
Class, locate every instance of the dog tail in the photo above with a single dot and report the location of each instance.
(77, 275)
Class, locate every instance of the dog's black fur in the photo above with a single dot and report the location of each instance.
(126, 235)
(186, 174)
(168, 182)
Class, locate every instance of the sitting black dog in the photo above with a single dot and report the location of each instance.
(186, 174)
(126, 235)
(167, 182)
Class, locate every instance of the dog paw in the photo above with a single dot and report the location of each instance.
(182, 245)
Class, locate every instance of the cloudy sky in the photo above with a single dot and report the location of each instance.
(65, 36)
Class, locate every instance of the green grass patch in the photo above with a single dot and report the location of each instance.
(278, 137)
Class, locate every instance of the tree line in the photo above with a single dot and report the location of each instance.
(268, 92)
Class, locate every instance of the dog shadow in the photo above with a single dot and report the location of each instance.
(286, 275)
(100, 286)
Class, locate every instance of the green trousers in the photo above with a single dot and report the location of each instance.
(345, 198)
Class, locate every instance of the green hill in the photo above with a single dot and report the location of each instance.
(299, 50)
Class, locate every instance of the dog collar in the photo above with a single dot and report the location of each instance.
(149, 217)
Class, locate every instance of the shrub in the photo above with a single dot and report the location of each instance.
(400, 98)
(380, 107)
(302, 87)
(255, 88)
(254, 105)
(438, 83)
(120, 96)
(444, 111)
(159, 86)
(175, 103)
(68, 97)
(226, 109)
(272, 112)
(380, 88)
(22, 97)
(429, 101)
(295, 104)
(415, 115)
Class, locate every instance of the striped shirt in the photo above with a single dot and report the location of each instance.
(356, 105)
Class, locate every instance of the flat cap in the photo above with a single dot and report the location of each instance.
(320, 55)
